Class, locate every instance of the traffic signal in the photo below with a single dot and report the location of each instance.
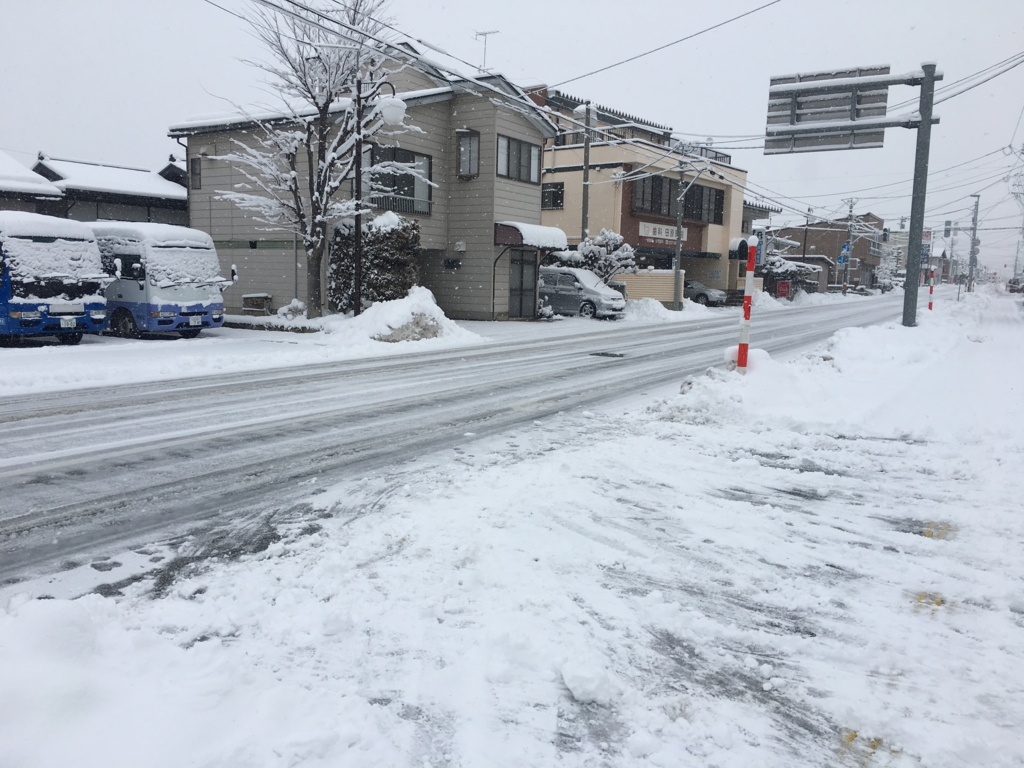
(948, 228)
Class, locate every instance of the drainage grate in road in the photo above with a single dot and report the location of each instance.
(607, 354)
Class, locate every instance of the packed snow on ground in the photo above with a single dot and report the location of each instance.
(818, 563)
(653, 311)
(416, 321)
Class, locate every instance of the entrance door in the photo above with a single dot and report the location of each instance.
(522, 284)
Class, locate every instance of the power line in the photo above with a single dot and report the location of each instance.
(667, 45)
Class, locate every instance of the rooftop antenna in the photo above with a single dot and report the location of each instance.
(484, 35)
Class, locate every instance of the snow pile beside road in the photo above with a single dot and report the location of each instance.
(414, 318)
(762, 301)
(653, 311)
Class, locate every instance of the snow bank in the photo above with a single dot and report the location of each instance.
(414, 318)
(653, 311)
(762, 301)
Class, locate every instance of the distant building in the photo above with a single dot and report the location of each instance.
(93, 192)
(21, 189)
(827, 238)
(643, 210)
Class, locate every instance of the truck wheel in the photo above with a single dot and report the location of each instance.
(69, 339)
(191, 333)
(587, 309)
(10, 341)
(123, 325)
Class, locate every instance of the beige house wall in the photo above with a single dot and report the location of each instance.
(607, 204)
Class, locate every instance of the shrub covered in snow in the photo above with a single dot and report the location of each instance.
(606, 255)
(390, 261)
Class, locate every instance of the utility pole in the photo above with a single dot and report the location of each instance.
(973, 263)
(584, 230)
(849, 247)
(807, 224)
(924, 141)
(357, 266)
(677, 290)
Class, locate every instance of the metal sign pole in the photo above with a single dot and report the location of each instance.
(924, 139)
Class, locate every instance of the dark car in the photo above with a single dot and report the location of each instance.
(701, 294)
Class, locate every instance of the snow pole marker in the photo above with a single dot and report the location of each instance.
(931, 288)
(748, 300)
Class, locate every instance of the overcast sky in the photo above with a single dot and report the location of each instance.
(102, 80)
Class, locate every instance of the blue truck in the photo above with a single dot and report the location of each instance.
(166, 279)
(51, 279)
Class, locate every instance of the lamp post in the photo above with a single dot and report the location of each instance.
(392, 112)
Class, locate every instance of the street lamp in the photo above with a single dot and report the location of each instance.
(392, 112)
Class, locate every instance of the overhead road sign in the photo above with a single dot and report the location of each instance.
(823, 111)
(846, 109)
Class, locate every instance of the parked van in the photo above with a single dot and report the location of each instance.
(572, 291)
(51, 279)
(166, 279)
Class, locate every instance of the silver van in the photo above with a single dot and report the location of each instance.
(572, 291)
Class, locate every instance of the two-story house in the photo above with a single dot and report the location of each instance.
(644, 210)
(479, 218)
(827, 238)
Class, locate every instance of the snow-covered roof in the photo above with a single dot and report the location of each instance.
(16, 178)
(160, 235)
(20, 224)
(93, 177)
(226, 120)
(537, 236)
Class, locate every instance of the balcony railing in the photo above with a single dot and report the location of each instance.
(401, 204)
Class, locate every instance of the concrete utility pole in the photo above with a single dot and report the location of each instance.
(924, 142)
(677, 290)
(849, 247)
(584, 230)
(973, 263)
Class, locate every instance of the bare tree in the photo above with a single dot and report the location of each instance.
(300, 158)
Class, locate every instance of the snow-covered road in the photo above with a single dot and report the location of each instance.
(818, 564)
(88, 469)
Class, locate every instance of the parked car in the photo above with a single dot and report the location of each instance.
(166, 278)
(701, 294)
(572, 291)
(1014, 285)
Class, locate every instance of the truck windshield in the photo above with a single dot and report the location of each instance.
(51, 267)
(184, 274)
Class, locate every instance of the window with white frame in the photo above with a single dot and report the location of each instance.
(469, 153)
(518, 160)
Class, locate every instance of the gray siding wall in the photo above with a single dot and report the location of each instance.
(463, 210)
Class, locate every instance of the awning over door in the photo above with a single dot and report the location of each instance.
(529, 235)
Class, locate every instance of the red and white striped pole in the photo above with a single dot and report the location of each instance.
(931, 288)
(748, 299)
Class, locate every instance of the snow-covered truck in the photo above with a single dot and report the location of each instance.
(51, 278)
(166, 278)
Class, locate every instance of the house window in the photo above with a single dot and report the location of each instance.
(401, 192)
(518, 160)
(469, 153)
(195, 167)
(659, 195)
(552, 196)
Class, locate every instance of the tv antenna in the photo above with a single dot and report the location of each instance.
(485, 35)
